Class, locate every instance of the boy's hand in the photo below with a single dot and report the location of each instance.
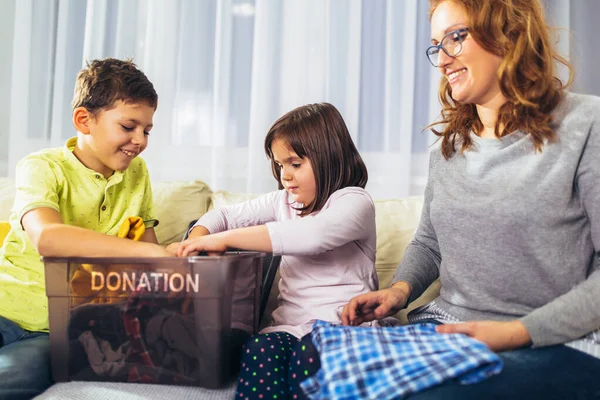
(159, 251)
(498, 336)
(375, 305)
(173, 248)
(212, 244)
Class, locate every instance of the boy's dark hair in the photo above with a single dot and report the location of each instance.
(103, 82)
(318, 132)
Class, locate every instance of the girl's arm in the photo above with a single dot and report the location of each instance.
(195, 232)
(251, 238)
(349, 216)
(229, 219)
(52, 238)
(253, 212)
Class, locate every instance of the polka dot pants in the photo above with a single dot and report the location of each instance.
(274, 364)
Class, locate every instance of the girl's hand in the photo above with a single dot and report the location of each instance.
(498, 336)
(375, 305)
(212, 244)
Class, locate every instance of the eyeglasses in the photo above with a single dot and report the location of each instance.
(451, 44)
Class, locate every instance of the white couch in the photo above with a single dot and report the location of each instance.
(178, 203)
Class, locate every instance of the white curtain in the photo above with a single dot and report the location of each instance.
(225, 70)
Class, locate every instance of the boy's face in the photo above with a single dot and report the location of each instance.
(115, 137)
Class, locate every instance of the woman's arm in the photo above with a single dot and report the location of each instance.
(421, 261)
(577, 312)
(376, 305)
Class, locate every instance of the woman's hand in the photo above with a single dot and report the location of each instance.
(376, 305)
(498, 336)
(212, 244)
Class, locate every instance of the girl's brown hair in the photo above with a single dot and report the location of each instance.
(318, 132)
(515, 30)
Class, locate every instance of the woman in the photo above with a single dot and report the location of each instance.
(511, 219)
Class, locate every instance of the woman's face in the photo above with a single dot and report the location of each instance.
(472, 73)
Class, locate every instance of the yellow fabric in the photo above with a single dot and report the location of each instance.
(4, 229)
(54, 178)
(81, 283)
(7, 196)
(132, 228)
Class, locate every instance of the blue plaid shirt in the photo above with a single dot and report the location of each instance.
(388, 363)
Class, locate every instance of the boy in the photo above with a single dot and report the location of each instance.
(71, 202)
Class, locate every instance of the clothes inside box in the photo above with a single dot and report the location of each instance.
(172, 320)
(147, 338)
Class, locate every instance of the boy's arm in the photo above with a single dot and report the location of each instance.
(52, 238)
(150, 236)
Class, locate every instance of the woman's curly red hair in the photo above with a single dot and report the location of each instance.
(515, 30)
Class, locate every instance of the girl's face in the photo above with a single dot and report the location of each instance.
(297, 176)
(472, 74)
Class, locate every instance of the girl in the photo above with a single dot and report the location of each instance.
(321, 221)
(511, 219)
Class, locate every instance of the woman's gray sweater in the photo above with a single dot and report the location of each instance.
(514, 233)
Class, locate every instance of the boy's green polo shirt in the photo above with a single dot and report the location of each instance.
(56, 179)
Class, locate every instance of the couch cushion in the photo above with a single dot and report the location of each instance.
(222, 198)
(176, 204)
(132, 391)
(396, 221)
(7, 197)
